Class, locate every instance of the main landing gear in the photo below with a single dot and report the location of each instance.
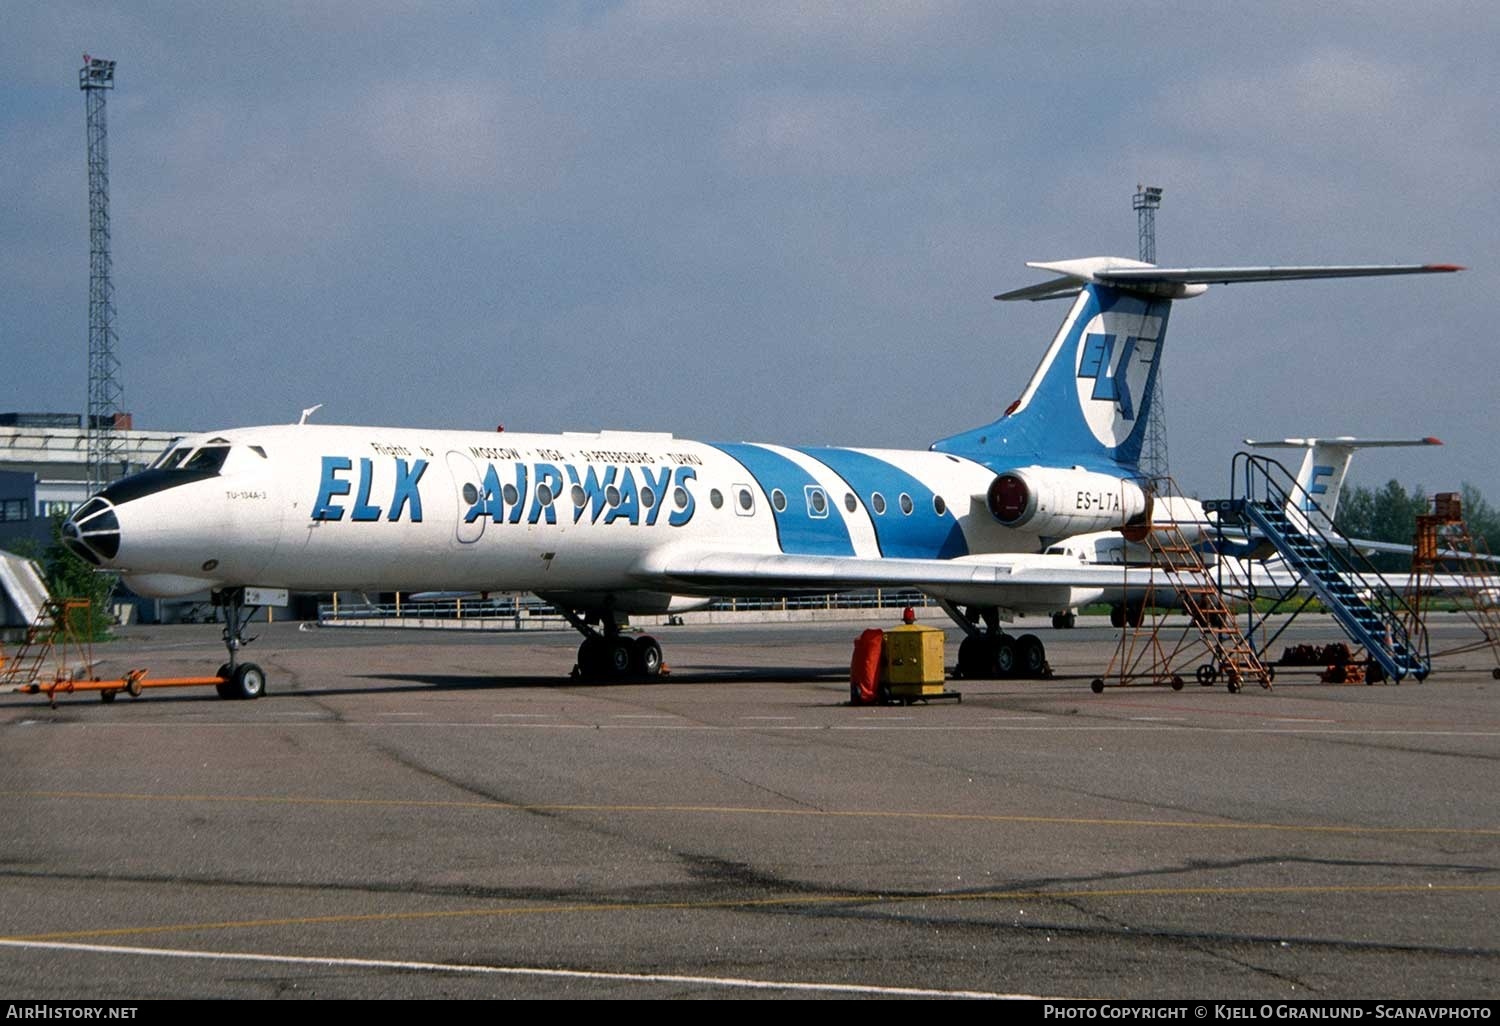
(989, 653)
(606, 654)
(237, 679)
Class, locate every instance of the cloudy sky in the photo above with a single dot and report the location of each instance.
(763, 221)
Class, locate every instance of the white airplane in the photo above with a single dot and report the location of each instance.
(1318, 483)
(608, 524)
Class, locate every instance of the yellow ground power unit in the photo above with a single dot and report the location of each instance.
(913, 660)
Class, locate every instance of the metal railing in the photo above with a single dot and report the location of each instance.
(527, 612)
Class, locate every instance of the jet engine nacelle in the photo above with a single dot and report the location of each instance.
(1056, 502)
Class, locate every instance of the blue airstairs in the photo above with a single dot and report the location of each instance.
(1371, 612)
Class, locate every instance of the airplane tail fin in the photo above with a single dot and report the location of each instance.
(1089, 400)
(1320, 479)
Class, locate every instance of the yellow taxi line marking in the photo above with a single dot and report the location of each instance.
(739, 810)
(780, 901)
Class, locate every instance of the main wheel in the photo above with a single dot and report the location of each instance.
(647, 657)
(248, 681)
(1031, 656)
(591, 658)
(1070, 620)
(619, 656)
(1005, 657)
(972, 658)
(1097, 686)
(1117, 616)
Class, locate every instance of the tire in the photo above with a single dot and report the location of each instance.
(646, 661)
(107, 696)
(1005, 657)
(591, 664)
(1117, 616)
(1097, 685)
(971, 658)
(248, 681)
(619, 656)
(1070, 620)
(1031, 656)
(1176, 682)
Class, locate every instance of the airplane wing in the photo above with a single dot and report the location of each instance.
(1003, 578)
(834, 573)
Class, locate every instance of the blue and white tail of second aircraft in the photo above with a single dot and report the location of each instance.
(1089, 401)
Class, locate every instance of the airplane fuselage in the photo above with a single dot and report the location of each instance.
(315, 507)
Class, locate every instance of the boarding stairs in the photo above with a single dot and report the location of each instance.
(1362, 602)
(1212, 640)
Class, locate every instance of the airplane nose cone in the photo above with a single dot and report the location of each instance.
(93, 532)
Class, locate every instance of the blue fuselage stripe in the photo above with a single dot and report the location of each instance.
(811, 523)
(921, 534)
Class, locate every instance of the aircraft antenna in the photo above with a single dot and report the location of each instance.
(106, 449)
(1154, 451)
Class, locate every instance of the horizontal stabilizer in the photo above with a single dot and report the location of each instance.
(1342, 441)
(1186, 282)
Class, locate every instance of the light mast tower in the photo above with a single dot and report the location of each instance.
(1154, 452)
(106, 455)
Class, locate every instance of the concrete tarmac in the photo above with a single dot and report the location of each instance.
(445, 814)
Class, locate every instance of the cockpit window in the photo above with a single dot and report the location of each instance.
(206, 460)
(169, 459)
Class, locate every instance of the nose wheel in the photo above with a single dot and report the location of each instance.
(237, 680)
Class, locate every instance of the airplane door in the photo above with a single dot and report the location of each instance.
(468, 486)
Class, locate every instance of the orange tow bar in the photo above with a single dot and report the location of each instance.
(133, 683)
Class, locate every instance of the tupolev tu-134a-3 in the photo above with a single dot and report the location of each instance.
(607, 524)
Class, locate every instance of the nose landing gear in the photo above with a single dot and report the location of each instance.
(237, 680)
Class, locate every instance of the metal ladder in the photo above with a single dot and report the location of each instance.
(1212, 639)
(1443, 541)
(53, 622)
